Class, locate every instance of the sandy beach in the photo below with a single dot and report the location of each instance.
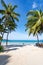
(22, 55)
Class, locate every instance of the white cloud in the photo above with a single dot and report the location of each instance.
(34, 5)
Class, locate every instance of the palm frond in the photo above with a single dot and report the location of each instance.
(4, 5)
(32, 18)
(16, 14)
(2, 11)
(15, 6)
(37, 29)
(15, 17)
(3, 18)
(38, 23)
(31, 12)
(30, 31)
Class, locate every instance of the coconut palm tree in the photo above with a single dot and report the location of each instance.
(35, 22)
(10, 26)
(2, 29)
(7, 13)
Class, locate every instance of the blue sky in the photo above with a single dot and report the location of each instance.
(23, 7)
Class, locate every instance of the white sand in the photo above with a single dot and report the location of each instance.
(26, 55)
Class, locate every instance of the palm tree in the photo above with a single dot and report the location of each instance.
(1, 29)
(7, 13)
(35, 22)
(10, 26)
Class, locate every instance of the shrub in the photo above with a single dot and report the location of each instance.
(1, 48)
(39, 44)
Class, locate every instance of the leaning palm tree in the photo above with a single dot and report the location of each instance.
(35, 22)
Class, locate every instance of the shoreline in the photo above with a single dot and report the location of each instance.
(18, 43)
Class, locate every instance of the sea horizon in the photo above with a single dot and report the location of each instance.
(22, 40)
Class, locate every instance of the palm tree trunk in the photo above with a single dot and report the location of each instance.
(7, 39)
(2, 36)
(37, 39)
(0, 42)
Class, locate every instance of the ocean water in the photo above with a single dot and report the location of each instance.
(21, 42)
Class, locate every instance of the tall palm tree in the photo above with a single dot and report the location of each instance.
(1, 30)
(9, 12)
(10, 26)
(35, 22)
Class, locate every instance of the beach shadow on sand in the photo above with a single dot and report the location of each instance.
(4, 59)
(12, 47)
(9, 46)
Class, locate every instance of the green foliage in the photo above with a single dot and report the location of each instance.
(8, 20)
(1, 28)
(35, 22)
(9, 16)
(3, 3)
(9, 10)
(1, 48)
(10, 25)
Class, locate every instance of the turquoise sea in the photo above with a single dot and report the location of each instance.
(22, 41)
